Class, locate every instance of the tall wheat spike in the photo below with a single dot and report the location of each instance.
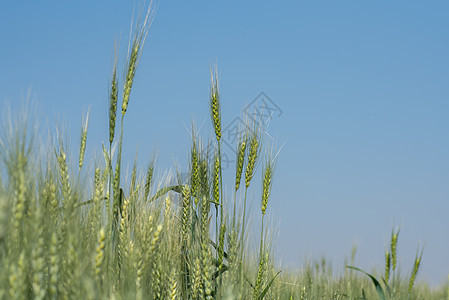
(393, 248)
(83, 138)
(64, 180)
(416, 265)
(387, 265)
(149, 179)
(194, 170)
(266, 184)
(253, 154)
(241, 151)
(215, 105)
(113, 98)
(134, 54)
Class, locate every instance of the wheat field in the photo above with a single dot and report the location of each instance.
(68, 235)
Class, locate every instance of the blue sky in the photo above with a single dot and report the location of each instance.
(363, 89)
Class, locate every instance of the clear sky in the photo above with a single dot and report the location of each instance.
(362, 87)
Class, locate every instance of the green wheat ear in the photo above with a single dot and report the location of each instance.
(253, 154)
(416, 265)
(83, 138)
(241, 151)
(215, 105)
(113, 97)
(134, 53)
(194, 170)
(64, 178)
(387, 265)
(393, 247)
(99, 258)
(267, 183)
(149, 179)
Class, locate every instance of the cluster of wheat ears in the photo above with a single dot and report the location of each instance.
(61, 240)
